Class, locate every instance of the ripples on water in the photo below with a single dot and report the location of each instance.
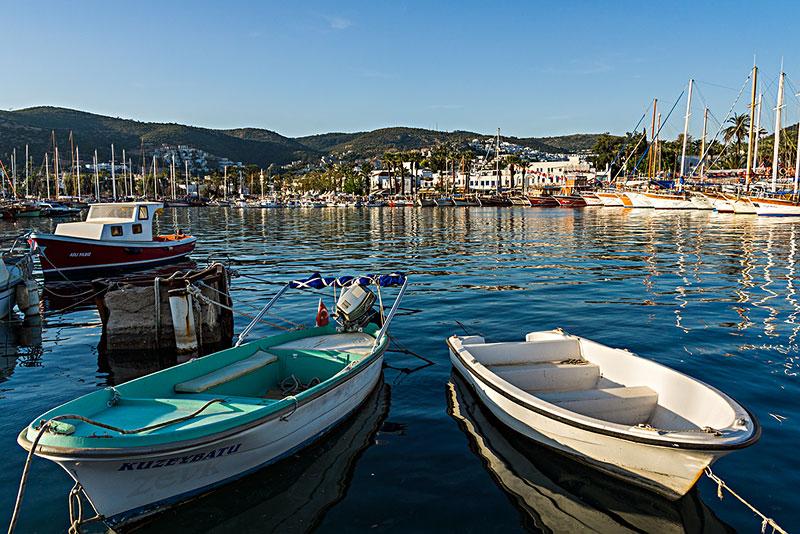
(712, 295)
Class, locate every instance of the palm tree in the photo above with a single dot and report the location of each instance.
(738, 125)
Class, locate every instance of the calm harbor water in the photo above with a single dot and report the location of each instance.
(714, 296)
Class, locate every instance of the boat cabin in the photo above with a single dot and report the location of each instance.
(123, 221)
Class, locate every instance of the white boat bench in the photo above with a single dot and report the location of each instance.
(226, 374)
(622, 405)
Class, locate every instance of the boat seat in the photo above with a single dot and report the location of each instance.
(354, 342)
(549, 376)
(522, 352)
(622, 405)
(226, 374)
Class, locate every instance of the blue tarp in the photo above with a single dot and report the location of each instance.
(317, 281)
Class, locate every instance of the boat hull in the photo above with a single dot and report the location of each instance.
(775, 207)
(82, 257)
(667, 471)
(638, 200)
(610, 199)
(570, 201)
(124, 488)
(665, 201)
(592, 199)
(542, 201)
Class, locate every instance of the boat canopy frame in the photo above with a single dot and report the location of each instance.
(317, 281)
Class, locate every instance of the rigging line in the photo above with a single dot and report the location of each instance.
(659, 129)
(715, 85)
(721, 124)
(635, 130)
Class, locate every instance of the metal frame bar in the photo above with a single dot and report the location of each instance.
(261, 314)
(390, 316)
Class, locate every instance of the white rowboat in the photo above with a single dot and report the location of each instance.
(625, 415)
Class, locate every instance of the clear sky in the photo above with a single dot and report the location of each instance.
(530, 68)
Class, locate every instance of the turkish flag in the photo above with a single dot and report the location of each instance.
(322, 314)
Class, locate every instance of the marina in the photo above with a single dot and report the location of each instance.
(710, 295)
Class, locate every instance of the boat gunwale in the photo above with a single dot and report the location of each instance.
(754, 436)
(80, 453)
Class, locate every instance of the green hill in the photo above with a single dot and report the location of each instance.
(34, 126)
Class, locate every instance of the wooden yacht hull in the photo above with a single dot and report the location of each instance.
(772, 207)
(610, 199)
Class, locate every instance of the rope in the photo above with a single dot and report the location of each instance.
(765, 521)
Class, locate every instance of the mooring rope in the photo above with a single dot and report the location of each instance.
(765, 521)
(45, 425)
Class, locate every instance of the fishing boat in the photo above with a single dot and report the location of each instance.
(520, 200)
(622, 414)
(570, 201)
(443, 202)
(57, 209)
(497, 201)
(465, 201)
(425, 202)
(138, 447)
(114, 236)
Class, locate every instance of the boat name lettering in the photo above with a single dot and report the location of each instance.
(79, 254)
(190, 459)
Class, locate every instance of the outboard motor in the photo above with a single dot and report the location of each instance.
(354, 308)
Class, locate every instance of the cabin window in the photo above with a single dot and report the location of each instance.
(116, 231)
(137, 228)
(142, 216)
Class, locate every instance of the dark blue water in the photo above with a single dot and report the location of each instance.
(714, 296)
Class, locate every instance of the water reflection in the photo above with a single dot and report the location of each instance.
(555, 494)
(20, 344)
(290, 496)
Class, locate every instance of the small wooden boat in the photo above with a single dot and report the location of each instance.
(137, 447)
(497, 201)
(57, 209)
(115, 236)
(627, 416)
(465, 201)
(570, 201)
(520, 200)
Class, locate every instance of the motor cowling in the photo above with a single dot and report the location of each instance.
(354, 309)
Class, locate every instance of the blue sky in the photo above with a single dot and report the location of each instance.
(530, 68)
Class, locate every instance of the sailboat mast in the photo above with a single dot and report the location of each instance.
(113, 176)
(155, 179)
(703, 144)
(686, 128)
(776, 149)
(186, 168)
(497, 156)
(225, 183)
(750, 139)
(78, 170)
(27, 173)
(14, 172)
(96, 177)
(172, 176)
(47, 172)
(651, 160)
(757, 132)
(55, 166)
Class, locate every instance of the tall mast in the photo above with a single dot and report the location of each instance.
(27, 173)
(14, 172)
(113, 176)
(96, 178)
(172, 176)
(757, 132)
(124, 173)
(497, 156)
(186, 168)
(55, 167)
(657, 163)
(686, 128)
(703, 144)
(225, 183)
(78, 169)
(72, 160)
(47, 172)
(750, 139)
(155, 179)
(651, 160)
(261, 179)
(776, 149)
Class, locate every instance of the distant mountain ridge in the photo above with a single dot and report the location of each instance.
(249, 145)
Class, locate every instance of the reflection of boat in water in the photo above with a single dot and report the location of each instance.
(290, 496)
(556, 494)
(14, 336)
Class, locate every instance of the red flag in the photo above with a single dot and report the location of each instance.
(322, 314)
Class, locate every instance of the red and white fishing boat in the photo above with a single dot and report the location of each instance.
(570, 201)
(114, 236)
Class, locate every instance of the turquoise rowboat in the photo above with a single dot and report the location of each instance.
(138, 447)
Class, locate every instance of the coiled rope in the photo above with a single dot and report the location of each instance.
(765, 521)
